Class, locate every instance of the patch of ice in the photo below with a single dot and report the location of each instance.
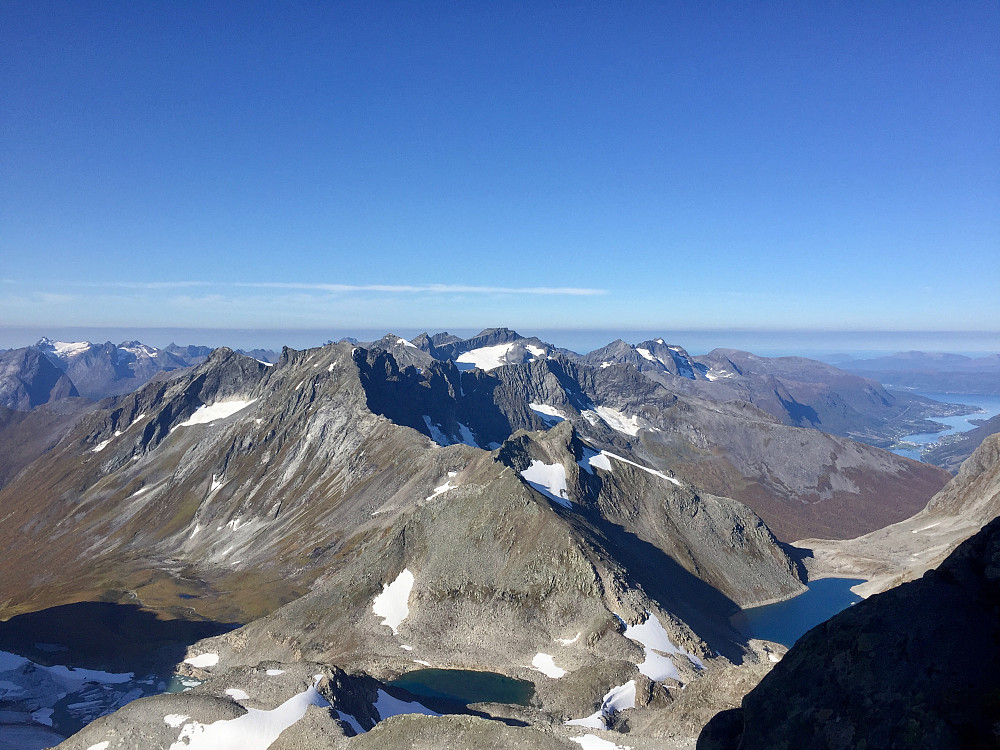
(101, 446)
(406, 648)
(254, 730)
(351, 721)
(568, 641)
(549, 414)
(203, 660)
(466, 436)
(43, 716)
(545, 664)
(619, 421)
(606, 364)
(486, 357)
(550, 480)
(175, 720)
(436, 435)
(387, 706)
(216, 483)
(274, 672)
(220, 410)
(422, 662)
(593, 742)
(236, 694)
(537, 351)
(647, 354)
(100, 746)
(392, 604)
(266, 364)
(773, 657)
(404, 342)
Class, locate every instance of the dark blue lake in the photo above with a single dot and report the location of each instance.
(466, 686)
(785, 622)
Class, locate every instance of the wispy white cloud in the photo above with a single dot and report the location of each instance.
(349, 288)
(426, 288)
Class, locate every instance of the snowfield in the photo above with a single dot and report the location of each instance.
(255, 730)
(203, 660)
(545, 664)
(392, 604)
(487, 357)
(220, 410)
(550, 480)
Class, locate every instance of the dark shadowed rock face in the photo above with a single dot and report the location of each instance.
(914, 667)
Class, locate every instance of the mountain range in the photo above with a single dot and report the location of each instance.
(582, 524)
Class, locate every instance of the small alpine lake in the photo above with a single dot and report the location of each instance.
(786, 621)
(465, 686)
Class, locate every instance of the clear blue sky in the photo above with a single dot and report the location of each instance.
(542, 165)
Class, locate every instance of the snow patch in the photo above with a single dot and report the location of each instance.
(358, 729)
(203, 660)
(69, 348)
(548, 414)
(274, 672)
(486, 357)
(545, 664)
(436, 435)
(392, 603)
(617, 699)
(101, 446)
(593, 742)
(654, 639)
(647, 354)
(537, 351)
(388, 706)
(404, 342)
(619, 421)
(219, 410)
(440, 490)
(568, 641)
(646, 469)
(236, 694)
(100, 746)
(175, 720)
(254, 730)
(466, 436)
(550, 480)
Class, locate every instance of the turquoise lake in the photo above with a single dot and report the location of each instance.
(785, 622)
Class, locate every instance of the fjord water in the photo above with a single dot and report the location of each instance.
(990, 406)
(785, 622)
(465, 686)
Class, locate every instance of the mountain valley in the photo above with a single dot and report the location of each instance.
(586, 524)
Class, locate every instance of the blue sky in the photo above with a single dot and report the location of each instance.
(558, 165)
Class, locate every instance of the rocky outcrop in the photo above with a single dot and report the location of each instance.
(914, 667)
